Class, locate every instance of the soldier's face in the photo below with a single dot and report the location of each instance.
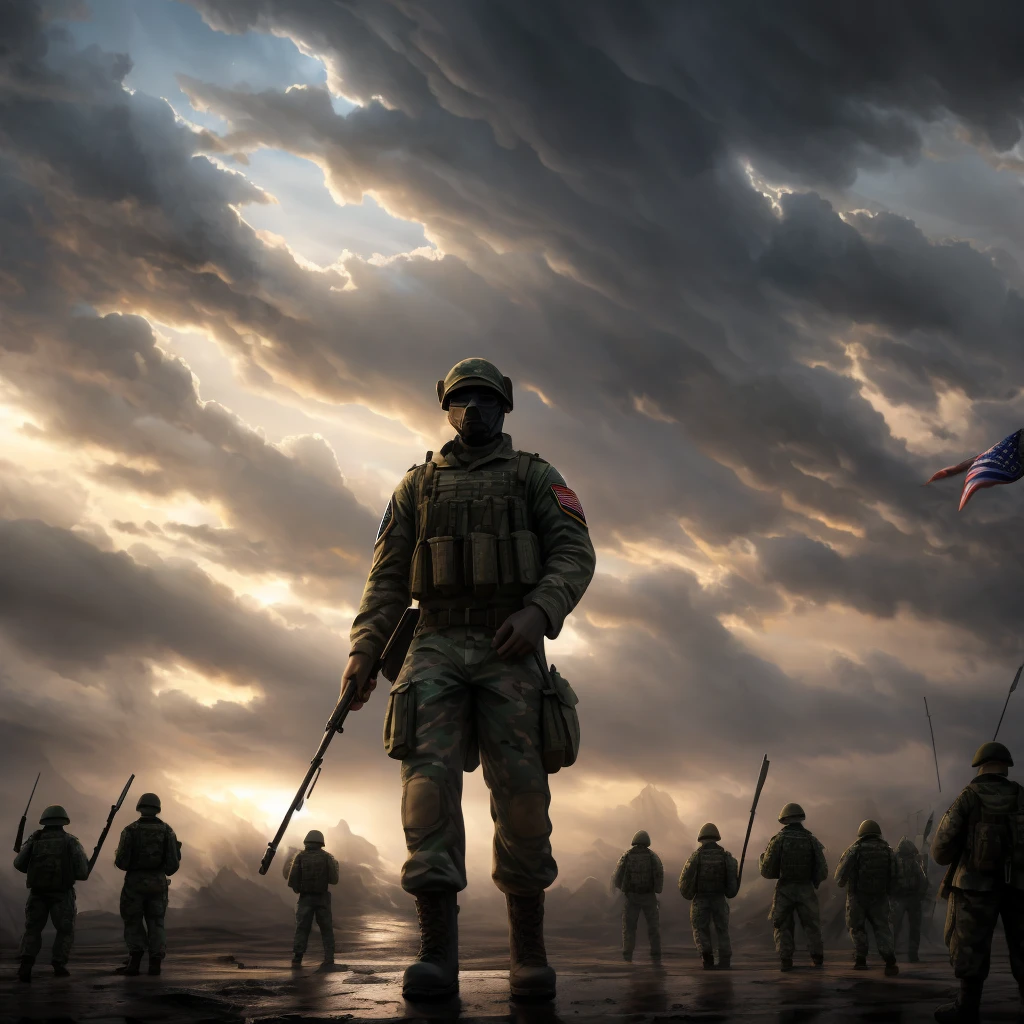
(477, 414)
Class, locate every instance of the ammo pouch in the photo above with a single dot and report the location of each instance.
(400, 721)
(560, 723)
(989, 843)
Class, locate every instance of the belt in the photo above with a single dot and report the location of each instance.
(443, 618)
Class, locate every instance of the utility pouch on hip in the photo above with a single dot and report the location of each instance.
(527, 555)
(560, 723)
(484, 560)
(400, 721)
(442, 560)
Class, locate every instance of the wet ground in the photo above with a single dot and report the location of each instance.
(259, 988)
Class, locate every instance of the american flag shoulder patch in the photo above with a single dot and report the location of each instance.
(568, 502)
(387, 522)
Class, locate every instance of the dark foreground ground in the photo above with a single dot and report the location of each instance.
(254, 985)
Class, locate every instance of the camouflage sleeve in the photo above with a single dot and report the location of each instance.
(845, 866)
(768, 862)
(333, 871)
(659, 872)
(172, 854)
(688, 876)
(124, 849)
(951, 835)
(386, 594)
(566, 549)
(21, 862)
(732, 876)
(820, 864)
(295, 873)
(79, 861)
(620, 870)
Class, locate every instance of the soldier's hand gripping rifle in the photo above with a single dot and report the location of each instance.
(753, 808)
(24, 817)
(390, 664)
(114, 808)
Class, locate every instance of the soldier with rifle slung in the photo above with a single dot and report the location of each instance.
(494, 546)
(148, 853)
(981, 839)
(52, 860)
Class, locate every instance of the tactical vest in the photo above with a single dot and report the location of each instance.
(313, 870)
(49, 869)
(711, 871)
(910, 879)
(796, 859)
(996, 839)
(149, 846)
(475, 547)
(873, 870)
(638, 875)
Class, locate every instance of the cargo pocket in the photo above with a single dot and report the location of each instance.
(527, 555)
(400, 721)
(560, 723)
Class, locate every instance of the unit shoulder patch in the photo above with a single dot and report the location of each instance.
(387, 522)
(568, 502)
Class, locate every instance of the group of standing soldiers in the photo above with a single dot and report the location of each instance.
(53, 860)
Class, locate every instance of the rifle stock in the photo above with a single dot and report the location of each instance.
(389, 663)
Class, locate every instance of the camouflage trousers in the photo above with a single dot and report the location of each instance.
(314, 905)
(143, 908)
(637, 903)
(792, 900)
(862, 911)
(908, 907)
(970, 921)
(465, 699)
(58, 907)
(705, 912)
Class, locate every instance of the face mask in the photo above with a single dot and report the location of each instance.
(477, 416)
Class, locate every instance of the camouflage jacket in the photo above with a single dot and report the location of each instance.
(127, 846)
(725, 877)
(868, 850)
(956, 841)
(789, 862)
(567, 554)
(78, 862)
(639, 871)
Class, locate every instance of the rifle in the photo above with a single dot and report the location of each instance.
(935, 752)
(753, 807)
(390, 664)
(1013, 686)
(24, 817)
(114, 808)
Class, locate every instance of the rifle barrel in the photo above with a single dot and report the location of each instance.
(753, 808)
(935, 752)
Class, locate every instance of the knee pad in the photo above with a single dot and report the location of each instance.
(528, 815)
(421, 803)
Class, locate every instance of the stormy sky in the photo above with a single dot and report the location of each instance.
(756, 271)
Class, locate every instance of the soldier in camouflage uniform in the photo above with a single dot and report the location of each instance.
(981, 839)
(867, 871)
(495, 548)
(796, 859)
(710, 878)
(640, 876)
(148, 852)
(53, 861)
(907, 896)
(309, 874)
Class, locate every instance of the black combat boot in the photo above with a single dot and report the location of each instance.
(154, 965)
(25, 968)
(860, 963)
(60, 971)
(132, 967)
(819, 960)
(529, 976)
(725, 963)
(966, 1008)
(891, 968)
(435, 972)
(786, 964)
(296, 961)
(913, 958)
(709, 961)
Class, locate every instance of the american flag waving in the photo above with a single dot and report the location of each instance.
(1001, 464)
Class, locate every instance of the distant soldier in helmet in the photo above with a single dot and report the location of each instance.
(309, 874)
(796, 859)
(710, 878)
(981, 839)
(908, 893)
(867, 871)
(494, 546)
(148, 852)
(53, 860)
(640, 876)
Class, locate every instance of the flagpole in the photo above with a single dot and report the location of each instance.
(935, 753)
(1013, 686)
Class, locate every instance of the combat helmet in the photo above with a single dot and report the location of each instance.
(906, 846)
(641, 839)
(708, 831)
(992, 751)
(149, 801)
(54, 815)
(791, 812)
(314, 836)
(475, 372)
(869, 827)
